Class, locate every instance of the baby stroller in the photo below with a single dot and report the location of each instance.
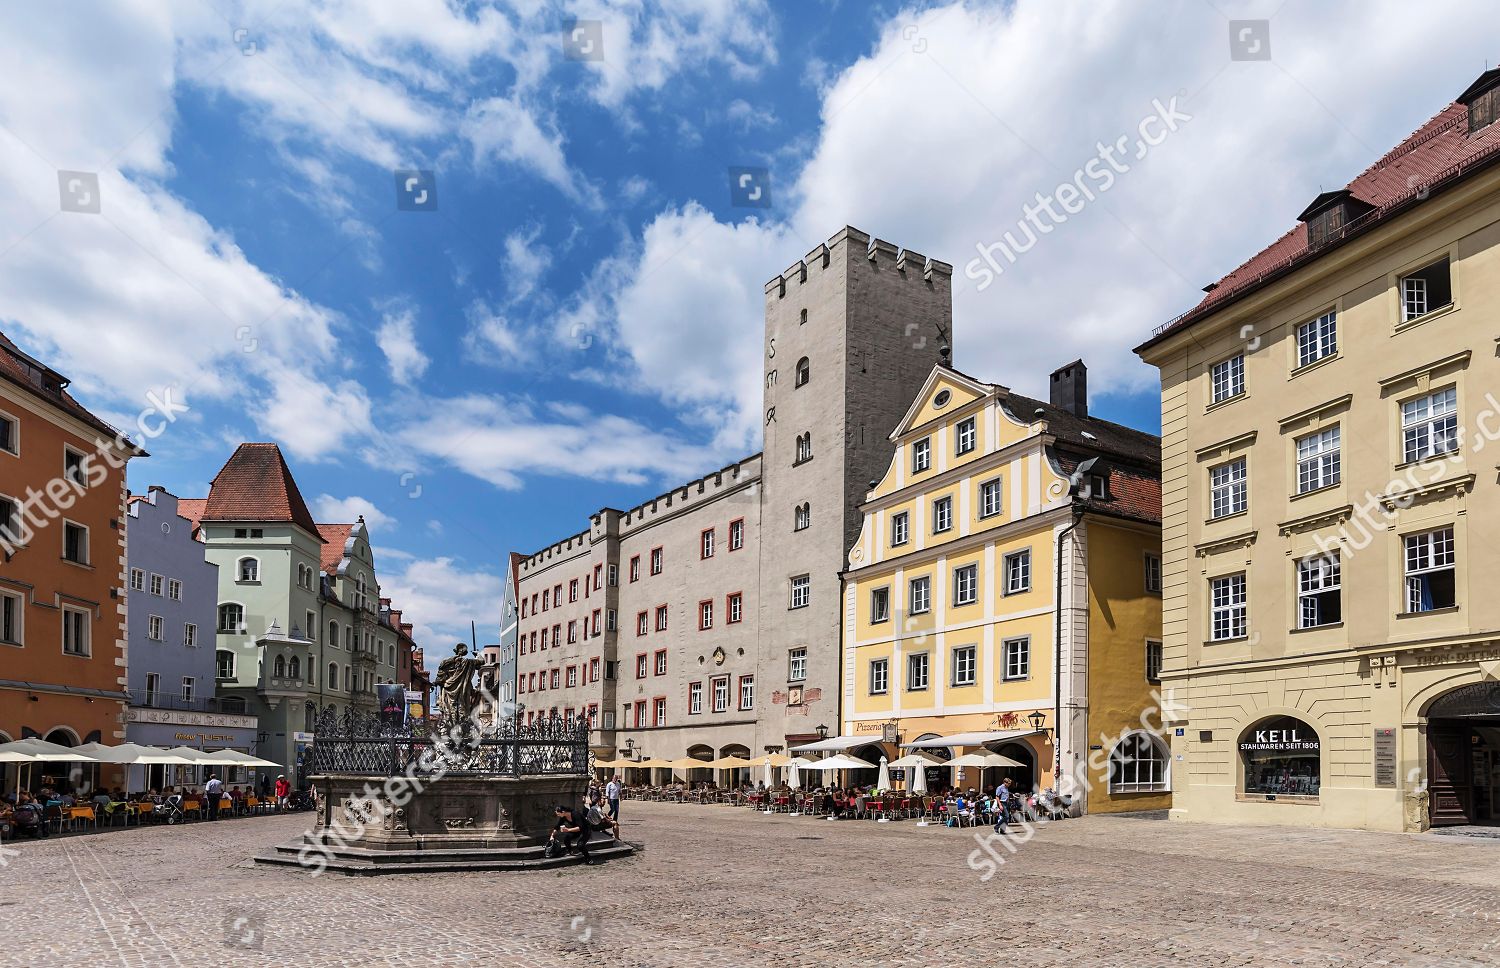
(31, 820)
(169, 810)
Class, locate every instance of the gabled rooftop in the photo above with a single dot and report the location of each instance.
(256, 485)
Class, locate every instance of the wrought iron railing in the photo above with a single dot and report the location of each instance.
(364, 744)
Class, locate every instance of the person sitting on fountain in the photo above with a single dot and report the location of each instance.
(573, 828)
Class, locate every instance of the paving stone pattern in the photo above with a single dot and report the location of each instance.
(725, 886)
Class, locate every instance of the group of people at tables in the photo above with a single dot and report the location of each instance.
(963, 807)
(32, 814)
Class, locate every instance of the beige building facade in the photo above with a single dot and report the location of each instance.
(705, 621)
(1331, 521)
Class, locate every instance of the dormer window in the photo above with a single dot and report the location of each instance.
(1482, 98)
(1325, 225)
(1330, 215)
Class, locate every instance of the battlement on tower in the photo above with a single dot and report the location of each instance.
(882, 254)
(685, 497)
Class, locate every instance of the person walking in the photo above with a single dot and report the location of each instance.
(612, 794)
(213, 792)
(1002, 814)
(283, 790)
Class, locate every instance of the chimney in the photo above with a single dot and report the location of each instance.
(1070, 388)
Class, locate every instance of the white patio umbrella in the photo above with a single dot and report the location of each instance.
(793, 778)
(980, 758)
(842, 761)
(883, 782)
(235, 757)
(12, 753)
(38, 751)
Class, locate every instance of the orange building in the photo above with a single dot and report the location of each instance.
(62, 561)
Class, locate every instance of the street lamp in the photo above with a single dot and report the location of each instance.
(1038, 720)
(822, 732)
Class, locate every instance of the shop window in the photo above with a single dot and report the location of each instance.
(1282, 757)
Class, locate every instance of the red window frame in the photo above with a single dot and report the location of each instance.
(642, 623)
(640, 714)
(658, 710)
(712, 690)
(594, 669)
(641, 668)
(556, 678)
(659, 662)
(658, 561)
(573, 590)
(737, 525)
(699, 684)
(702, 625)
(546, 599)
(706, 541)
(661, 618)
(635, 568)
(739, 693)
(523, 606)
(729, 599)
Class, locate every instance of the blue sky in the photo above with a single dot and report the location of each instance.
(578, 322)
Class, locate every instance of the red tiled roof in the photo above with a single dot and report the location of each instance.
(1437, 154)
(46, 384)
(333, 552)
(256, 485)
(192, 509)
(1132, 494)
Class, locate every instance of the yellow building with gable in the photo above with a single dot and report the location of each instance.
(987, 518)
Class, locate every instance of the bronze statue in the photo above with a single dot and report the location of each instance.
(457, 694)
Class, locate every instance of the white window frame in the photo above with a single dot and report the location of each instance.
(918, 671)
(992, 498)
(1317, 338)
(1017, 570)
(942, 514)
(88, 557)
(1228, 488)
(1227, 378)
(1229, 607)
(747, 693)
(735, 606)
(880, 597)
(18, 618)
(965, 436)
(1429, 425)
(965, 665)
(1151, 565)
(190, 634)
(1317, 576)
(801, 591)
(188, 683)
(158, 585)
(705, 615)
(921, 455)
(796, 664)
(880, 676)
(919, 595)
(153, 688)
(695, 698)
(174, 589)
(1428, 553)
(1154, 656)
(219, 619)
(15, 434)
(1141, 740)
(155, 627)
(137, 580)
(1318, 460)
(965, 585)
(1017, 658)
(239, 570)
(720, 694)
(83, 619)
(706, 546)
(900, 528)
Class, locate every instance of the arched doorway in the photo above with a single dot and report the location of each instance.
(705, 773)
(62, 775)
(938, 777)
(735, 776)
(870, 753)
(1463, 756)
(1023, 777)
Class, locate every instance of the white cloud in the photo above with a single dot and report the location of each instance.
(496, 339)
(397, 339)
(500, 129)
(315, 418)
(502, 440)
(526, 262)
(646, 44)
(940, 136)
(333, 510)
(440, 596)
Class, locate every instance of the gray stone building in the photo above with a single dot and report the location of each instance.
(705, 621)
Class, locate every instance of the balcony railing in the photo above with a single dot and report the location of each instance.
(162, 700)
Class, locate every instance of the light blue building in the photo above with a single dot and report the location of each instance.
(172, 594)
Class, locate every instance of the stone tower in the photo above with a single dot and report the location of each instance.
(852, 331)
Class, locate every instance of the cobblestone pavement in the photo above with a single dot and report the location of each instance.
(724, 886)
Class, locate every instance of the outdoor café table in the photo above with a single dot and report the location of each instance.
(75, 814)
